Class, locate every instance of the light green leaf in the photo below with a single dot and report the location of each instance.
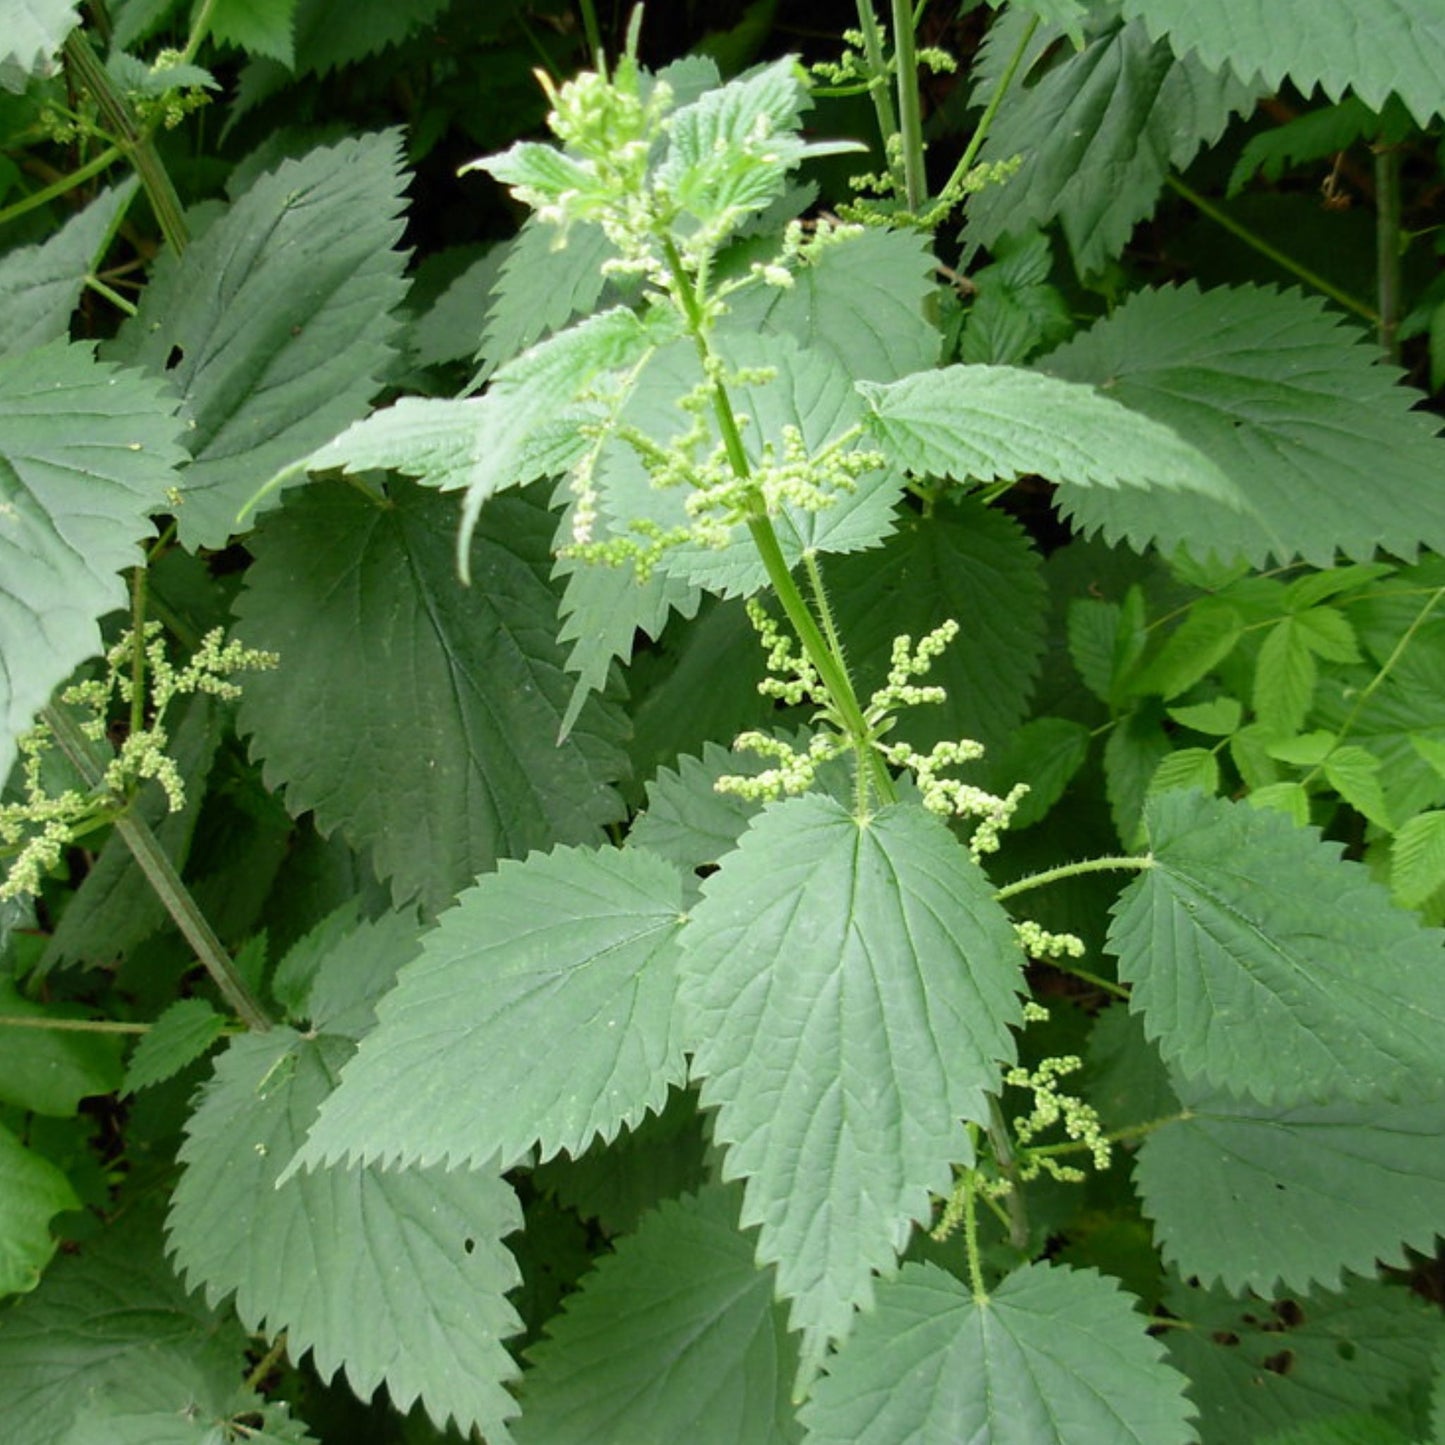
(289, 350)
(1284, 678)
(1305, 750)
(1186, 768)
(1417, 859)
(1263, 962)
(1354, 773)
(1328, 634)
(1252, 1196)
(859, 301)
(111, 1324)
(1097, 635)
(39, 285)
(356, 969)
(395, 1277)
(967, 562)
(459, 690)
(525, 427)
(1098, 134)
(1218, 717)
(1194, 649)
(51, 1071)
(986, 423)
(34, 30)
(1402, 52)
(1289, 401)
(849, 989)
(577, 947)
(184, 1032)
(1052, 1356)
(261, 27)
(675, 1336)
(32, 1191)
(73, 505)
(1258, 1365)
(1288, 798)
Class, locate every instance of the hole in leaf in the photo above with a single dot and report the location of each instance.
(1224, 1337)
(175, 358)
(1345, 1350)
(1289, 1314)
(469, 1246)
(1280, 1364)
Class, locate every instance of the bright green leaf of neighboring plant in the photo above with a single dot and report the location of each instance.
(418, 715)
(32, 1192)
(1263, 962)
(1257, 1365)
(1402, 52)
(575, 947)
(260, 27)
(179, 1037)
(1098, 135)
(675, 1336)
(986, 423)
(1252, 1196)
(397, 1277)
(34, 30)
(849, 989)
(289, 349)
(73, 505)
(1417, 859)
(1052, 1356)
(1046, 752)
(111, 1323)
(39, 285)
(1289, 401)
(50, 1071)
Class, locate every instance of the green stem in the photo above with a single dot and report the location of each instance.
(121, 303)
(970, 1239)
(1387, 246)
(74, 1026)
(200, 28)
(980, 134)
(1271, 253)
(93, 167)
(138, 650)
(1073, 870)
(1003, 1153)
(161, 874)
(878, 86)
(910, 114)
(593, 32)
(267, 1363)
(1115, 1136)
(1106, 984)
(136, 143)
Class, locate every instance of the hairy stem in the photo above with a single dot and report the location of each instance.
(1073, 870)
(93, 167)
(1271, 253)
(73, 1026)
(878, 87)
(161, 874)
(970, 1238)
(1003, 1153)
(910, 114)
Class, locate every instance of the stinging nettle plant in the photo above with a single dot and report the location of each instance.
(742, 949)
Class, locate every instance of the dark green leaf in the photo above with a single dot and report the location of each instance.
(825, 968)
(400, 1277)
(50, 1071)
(674, 1337)
(461, 691)
(1045, 753)
(32, 1191)
(1264, 963)
(1052, 1356)
(262, 27)
(184, 1032)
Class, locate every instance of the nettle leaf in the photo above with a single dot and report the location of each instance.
(1397, 48)
(39, 285)
(111, 1324)
(513, 434)
(87, 452)
(32, 1192)
(1051, 1355)
(674, 1336)
(1099, 133)
(1263, 962)
(1253, 1197)
(34, 30)
(357, 968)
(1289, 401)
(545, 280)
(1256, 1366)
(261, 27)
(395, 1277)
(577, 947)
(986, 423)
(49, 1071)
(184, 1032)
(287, 348)
(858, 300)
(808, 393)
(967, 562)
(245, 1417)
(849, 989)
(415, 714)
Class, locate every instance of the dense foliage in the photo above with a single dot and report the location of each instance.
(771, 770)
